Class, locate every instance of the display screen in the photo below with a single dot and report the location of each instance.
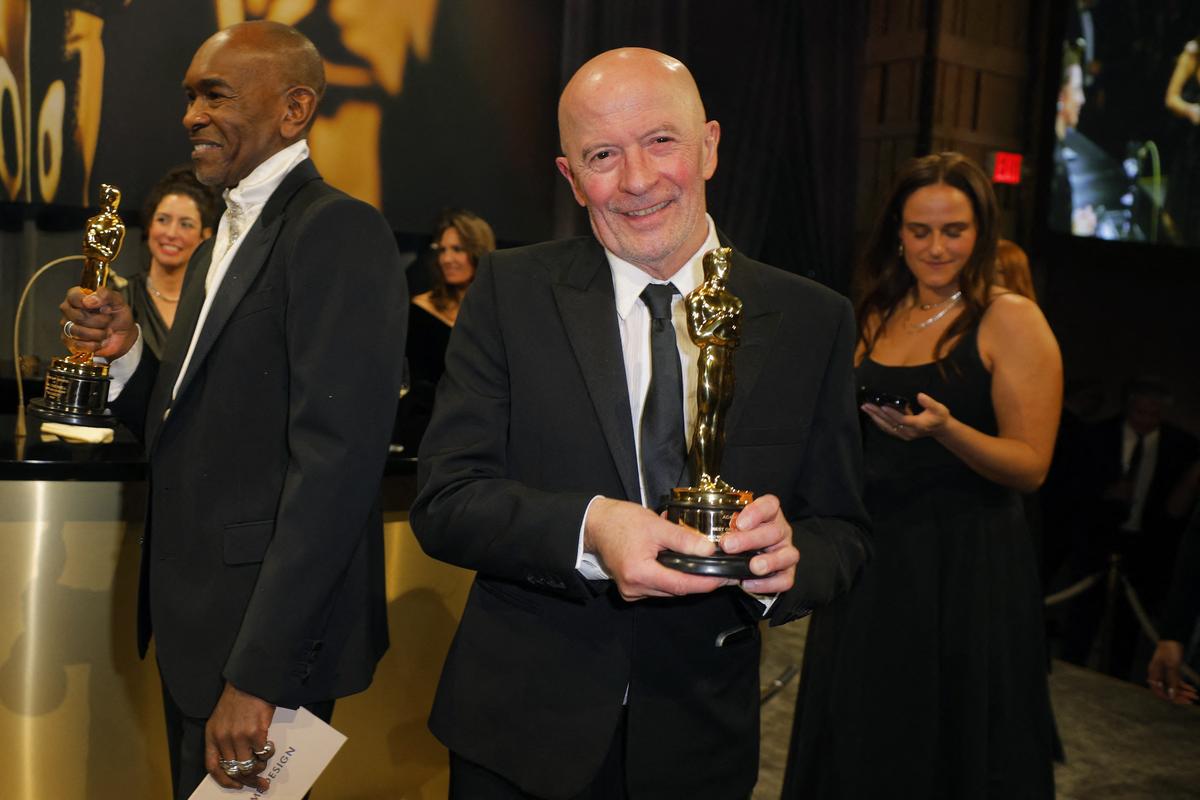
(1126, 153)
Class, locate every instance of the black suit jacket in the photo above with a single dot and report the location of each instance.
(1177, 450)
(263, 555)
(1183, 603)
(533, 420)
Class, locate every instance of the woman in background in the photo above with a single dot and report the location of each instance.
(1183, 100)
(460, 239)
(929, 678)
(179, 214)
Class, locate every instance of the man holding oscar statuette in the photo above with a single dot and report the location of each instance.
(266, 422)
(583, 667)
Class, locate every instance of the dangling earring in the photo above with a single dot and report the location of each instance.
(900, 251)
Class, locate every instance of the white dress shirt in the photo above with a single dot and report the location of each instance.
(633, 322)
(243, 205)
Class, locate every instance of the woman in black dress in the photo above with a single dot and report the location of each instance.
(459, 240)
(1183, 186)
(928, 680)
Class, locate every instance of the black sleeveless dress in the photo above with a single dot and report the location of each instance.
(928, 680)
(1183, 185)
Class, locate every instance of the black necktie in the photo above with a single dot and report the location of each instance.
(664, 447)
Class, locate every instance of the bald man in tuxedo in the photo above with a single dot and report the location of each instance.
(582, 667)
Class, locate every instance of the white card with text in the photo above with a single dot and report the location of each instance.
(304, 746)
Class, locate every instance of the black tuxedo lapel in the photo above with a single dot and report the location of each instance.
(588, 308)
(759, 323)
(250, 258)
(179, 338)
(247, 263)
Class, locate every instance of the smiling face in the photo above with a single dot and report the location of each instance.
(454, 260)
(237, 113)
(175, 231)
(938, 232)
(637, 155)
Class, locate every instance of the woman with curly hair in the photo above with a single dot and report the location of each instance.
(179, 214)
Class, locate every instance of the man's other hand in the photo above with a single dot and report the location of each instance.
(762, 527)
(238, 726)
(101, 322)
(627, 539)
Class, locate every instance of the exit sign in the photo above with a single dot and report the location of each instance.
(1006, 167)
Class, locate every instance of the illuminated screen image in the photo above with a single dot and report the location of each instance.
(1126, 155)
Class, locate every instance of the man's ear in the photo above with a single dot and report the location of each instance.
(712, 137)
(301, 105)
(564, 166)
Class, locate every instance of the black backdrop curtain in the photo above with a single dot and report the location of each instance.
(784, 79)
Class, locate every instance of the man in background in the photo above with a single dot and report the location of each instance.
(1139, 462)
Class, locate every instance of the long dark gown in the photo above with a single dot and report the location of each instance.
(928, 680)
(428, 337)
(1183, 181)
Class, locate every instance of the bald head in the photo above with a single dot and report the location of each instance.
(637, 152)
(283, 52)
(621, 78)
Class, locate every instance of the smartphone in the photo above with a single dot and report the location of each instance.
(882, 399)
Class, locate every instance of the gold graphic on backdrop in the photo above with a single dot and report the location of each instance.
(345, 142)
(83, 39)
(35, 143)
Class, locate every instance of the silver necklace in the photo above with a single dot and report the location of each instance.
(949, 303)
(159, 294)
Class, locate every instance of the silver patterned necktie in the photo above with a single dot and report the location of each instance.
(235, 219)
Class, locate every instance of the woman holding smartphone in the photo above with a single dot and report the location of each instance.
(929, 678)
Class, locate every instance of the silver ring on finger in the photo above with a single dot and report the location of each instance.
(897, 426)
(67, 328)
(248, 766)
(266, 752)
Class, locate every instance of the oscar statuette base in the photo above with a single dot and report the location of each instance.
(721, 565)
(75, 394)
(710, 512)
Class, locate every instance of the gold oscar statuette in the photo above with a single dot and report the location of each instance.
(76, 389)
(714, 318)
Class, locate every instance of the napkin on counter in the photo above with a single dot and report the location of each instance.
(75, 433)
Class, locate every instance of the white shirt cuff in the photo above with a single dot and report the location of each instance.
(587, 564)
(120, 370)
(767, 600)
